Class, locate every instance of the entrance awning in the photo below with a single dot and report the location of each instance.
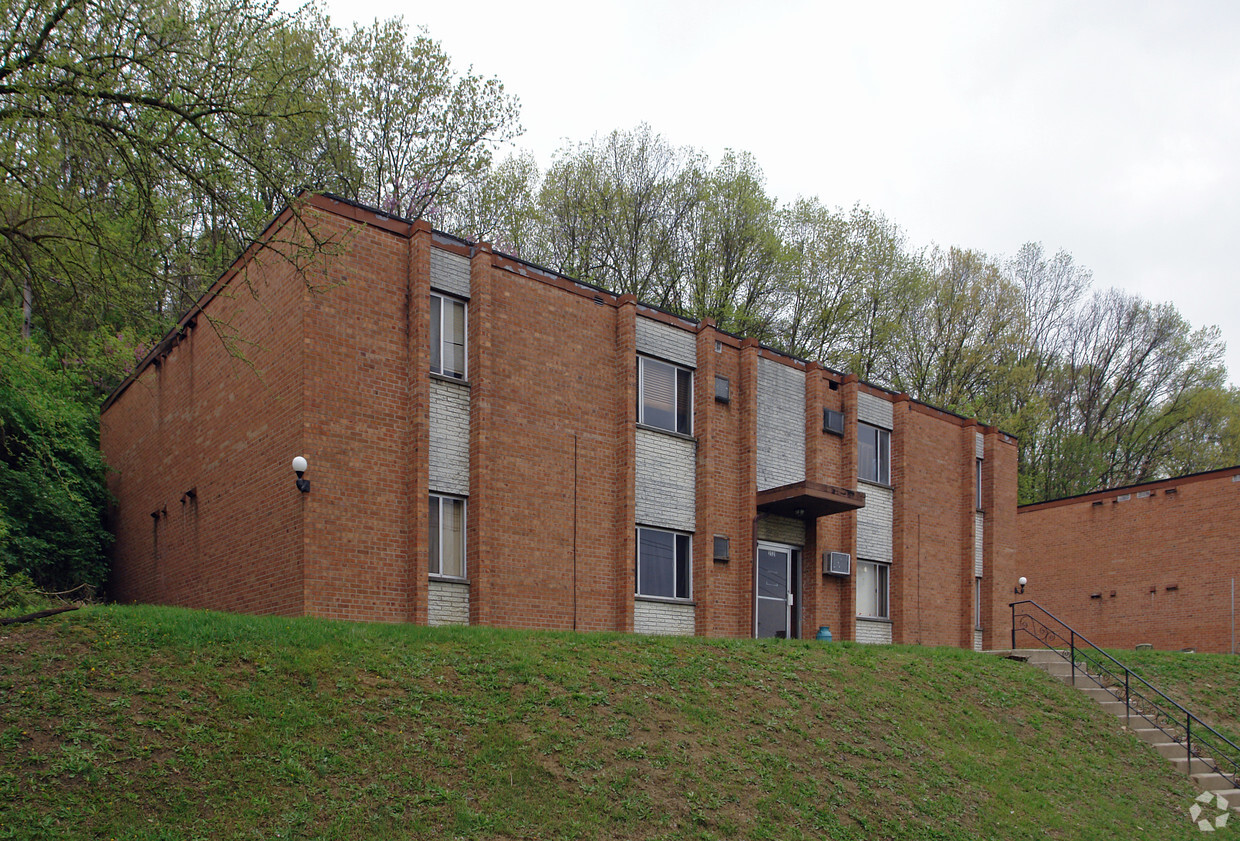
(808, 500)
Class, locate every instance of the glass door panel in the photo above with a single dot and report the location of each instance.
(773, 587)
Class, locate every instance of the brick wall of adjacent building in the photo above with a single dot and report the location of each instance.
(542, 442)
(1151, 563)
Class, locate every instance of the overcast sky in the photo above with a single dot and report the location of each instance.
(1110, 130)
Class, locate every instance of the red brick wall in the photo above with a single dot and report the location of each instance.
(356, 420)
(340, 375)
(726, 489)
(552, 376)
(929, 554)
(1000, 539)
(824, 462)
(1155, 569)
(224, 423)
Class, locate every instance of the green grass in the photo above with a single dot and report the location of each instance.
(160, 723)
(1208, 685)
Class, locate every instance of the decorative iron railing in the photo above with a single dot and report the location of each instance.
(1140, 698)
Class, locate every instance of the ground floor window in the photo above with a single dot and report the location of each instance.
(872, 581)
(447, 536)
(663, 563)
(977, 603)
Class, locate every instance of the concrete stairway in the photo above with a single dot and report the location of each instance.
(1174, 752)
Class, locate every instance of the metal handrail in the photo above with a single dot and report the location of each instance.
(1193, 738)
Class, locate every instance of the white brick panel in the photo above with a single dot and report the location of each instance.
(977, 640)
(874, 524)
(978, 530)
(663, 618)
(449, 273)
(447, 603)
(667, 342)
(979, 445)
(782, 530)
(449, 438)
(781, 425)
(876, 633)
(666, 481)
(874, 410)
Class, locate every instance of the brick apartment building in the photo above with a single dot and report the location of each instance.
(493, 443)
(1153, 563)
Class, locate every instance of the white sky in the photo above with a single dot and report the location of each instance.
(1108, 129)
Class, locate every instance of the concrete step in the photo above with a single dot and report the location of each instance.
(1102, 696)
(1212, 782)
(1170, 750)
(1232, 796)
(1151, 734)
(1038, 656)
(1200, 766)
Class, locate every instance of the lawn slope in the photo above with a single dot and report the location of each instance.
(160, 723)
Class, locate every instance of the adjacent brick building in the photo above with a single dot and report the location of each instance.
(1153, 563)
(493, 443)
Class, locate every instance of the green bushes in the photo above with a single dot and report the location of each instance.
(52, 486)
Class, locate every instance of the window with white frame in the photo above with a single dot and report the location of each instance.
(663, 564)
(977, 603)
(873, 454)
(447, 336)
(872, 581)
(447, 536)
(664, 395)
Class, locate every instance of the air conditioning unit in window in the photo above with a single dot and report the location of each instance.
(836, 563)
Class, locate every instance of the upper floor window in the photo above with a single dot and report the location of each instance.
(873, 454)
(664, 396)
(447, 336)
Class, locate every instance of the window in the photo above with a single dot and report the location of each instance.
(872, 590)
(978, 483)
(664, 396)
(663, 560)
(977, 603)
(447, 337)
(873, 454)
(833, 422)
(447, 536)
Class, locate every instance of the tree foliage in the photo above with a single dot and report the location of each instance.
(418, 132)
(142, 147)
(1102, 388)
(52, 490)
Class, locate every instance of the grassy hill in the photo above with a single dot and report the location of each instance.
(158, 723)
(1207, 684)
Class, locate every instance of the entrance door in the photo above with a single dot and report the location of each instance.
(776, 588)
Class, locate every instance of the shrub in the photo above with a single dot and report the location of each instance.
(52, 482)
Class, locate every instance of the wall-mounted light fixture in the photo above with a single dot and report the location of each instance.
(1019, 589)
(299, 467)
